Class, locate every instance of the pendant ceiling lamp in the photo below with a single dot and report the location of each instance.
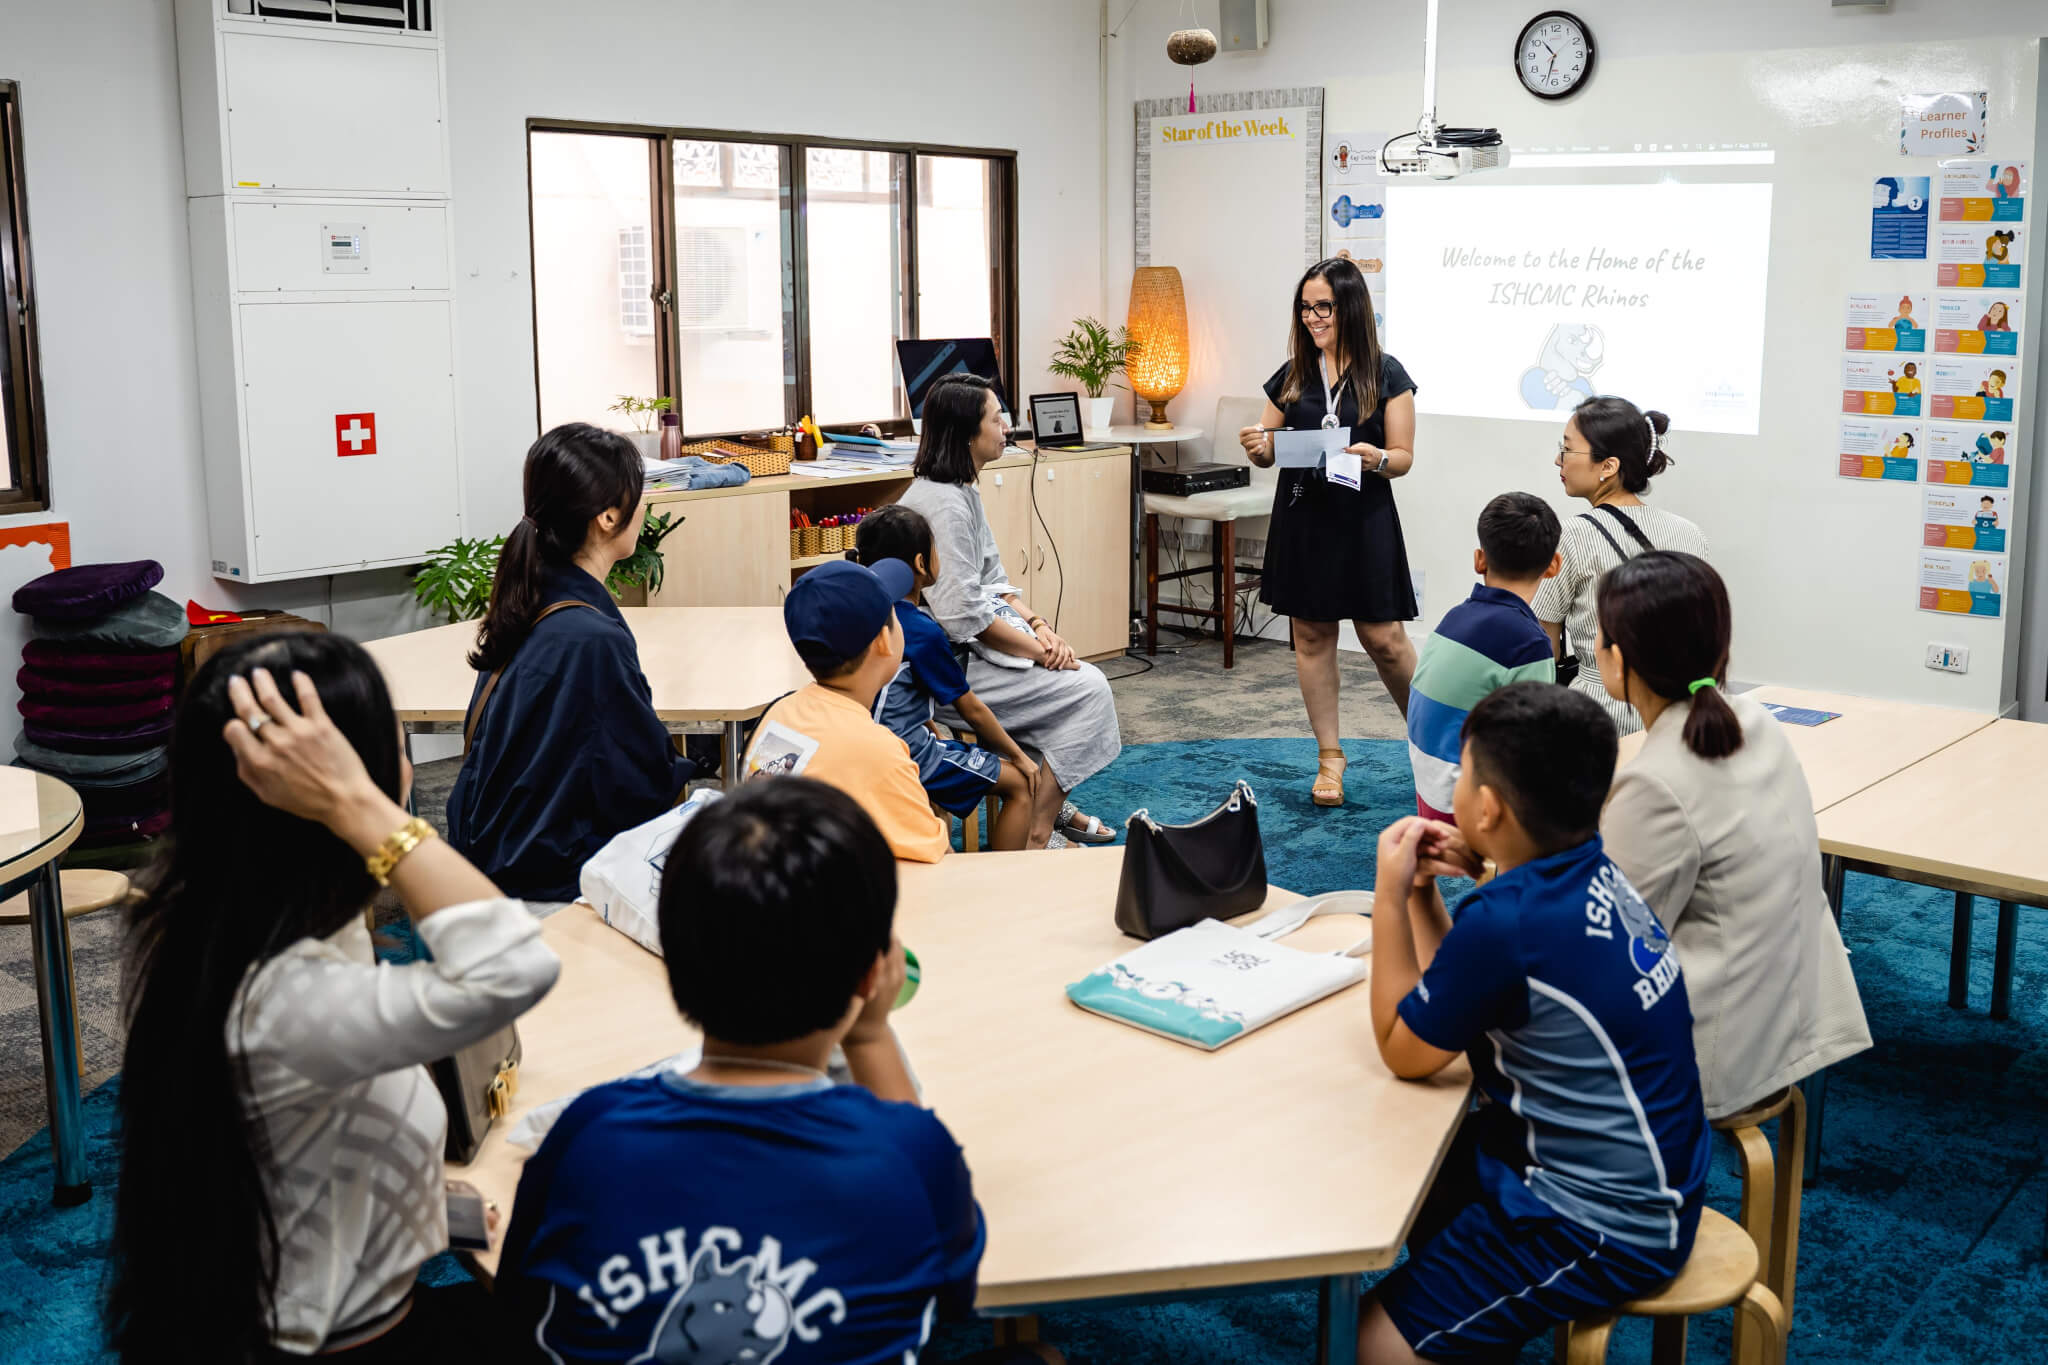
(1190, 47)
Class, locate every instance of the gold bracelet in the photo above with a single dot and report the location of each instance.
(396, 845)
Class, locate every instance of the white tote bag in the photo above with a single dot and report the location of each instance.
(1211, 982)
(623, 880)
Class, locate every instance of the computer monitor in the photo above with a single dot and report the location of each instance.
(925, 362)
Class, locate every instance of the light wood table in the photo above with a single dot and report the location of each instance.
(722, 665)
(1110, 1164)
(41, 817)
(1967, 819)
(1867, 742)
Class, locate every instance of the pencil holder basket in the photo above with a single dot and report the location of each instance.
(813, 542)
(796, 542)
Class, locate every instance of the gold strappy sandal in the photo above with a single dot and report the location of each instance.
(1329, 787)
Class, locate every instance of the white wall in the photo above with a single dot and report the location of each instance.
(1822, 136)
(979, 74)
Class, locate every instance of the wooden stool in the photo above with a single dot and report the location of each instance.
(86, 889)
(1771, 1184)
(1722, 1270)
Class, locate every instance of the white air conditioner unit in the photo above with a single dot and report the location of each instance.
(316, 181)
(711, 279)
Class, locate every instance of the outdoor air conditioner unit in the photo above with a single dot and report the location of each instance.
(316, 182)
(711, 279)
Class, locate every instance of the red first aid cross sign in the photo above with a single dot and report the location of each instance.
(355, 433)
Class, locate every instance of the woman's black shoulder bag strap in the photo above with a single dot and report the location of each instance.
(476, 712)
(1568, 662)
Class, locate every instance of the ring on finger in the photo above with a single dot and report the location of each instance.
(257, 722)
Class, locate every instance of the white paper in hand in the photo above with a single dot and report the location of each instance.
(1345, 469)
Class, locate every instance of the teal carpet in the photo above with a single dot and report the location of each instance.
(1922, 1243)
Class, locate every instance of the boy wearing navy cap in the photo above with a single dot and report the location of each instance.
(842, 619)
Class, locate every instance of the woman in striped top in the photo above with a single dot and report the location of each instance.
(1610, 452)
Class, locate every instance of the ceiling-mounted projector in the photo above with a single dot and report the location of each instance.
(1433, 150)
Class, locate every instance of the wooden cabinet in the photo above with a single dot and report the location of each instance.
(1006, 500)
(730, 551)
(1080, 567)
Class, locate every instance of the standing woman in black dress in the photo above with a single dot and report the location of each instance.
(1335, 553)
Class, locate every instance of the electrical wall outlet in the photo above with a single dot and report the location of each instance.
(1948, 658)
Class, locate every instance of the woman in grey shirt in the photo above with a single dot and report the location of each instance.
(1044, 696)
(1713, 823)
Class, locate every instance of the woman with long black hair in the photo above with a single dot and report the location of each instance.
(281, 1143)
(565, 750)
(1713, 823)
(1334, 552)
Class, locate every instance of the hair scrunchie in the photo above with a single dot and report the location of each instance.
(1693, 688)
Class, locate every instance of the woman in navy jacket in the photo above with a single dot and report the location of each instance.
(565, 748)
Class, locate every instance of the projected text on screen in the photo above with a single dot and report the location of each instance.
(1519, 301)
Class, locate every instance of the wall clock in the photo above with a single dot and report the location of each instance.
(1554, 55)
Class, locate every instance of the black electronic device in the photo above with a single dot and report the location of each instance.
(1189, 480)
(925, 362)
(1056, 418)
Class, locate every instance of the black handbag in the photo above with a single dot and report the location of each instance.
(477, 1085)
(1568, 661)
(1177, 875)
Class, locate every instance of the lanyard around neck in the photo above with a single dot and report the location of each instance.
(1330, 396)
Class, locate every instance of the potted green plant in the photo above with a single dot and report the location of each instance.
(455, 580)
(1092, 356)
(636, 578)
(645, 415)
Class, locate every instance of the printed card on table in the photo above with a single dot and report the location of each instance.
(1899, 210)
(1886, 322)
(1983, 191)
(1882, 388)
(1972, 456)
(1962, 581)
(1879, 450)
(1980, 256)
(1965, 518)
(1985, 323)
(1973, 390)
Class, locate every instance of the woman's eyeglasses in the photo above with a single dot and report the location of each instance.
(1323, 308)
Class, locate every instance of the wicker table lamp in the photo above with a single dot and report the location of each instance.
(1158, 323)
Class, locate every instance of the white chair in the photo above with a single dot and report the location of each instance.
(1222, 509)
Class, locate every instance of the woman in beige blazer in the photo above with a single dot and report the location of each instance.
(1713, 823)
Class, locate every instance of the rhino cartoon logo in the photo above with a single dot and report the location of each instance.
(1562, 374)
(724, 1315)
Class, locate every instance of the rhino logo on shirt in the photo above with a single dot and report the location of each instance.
(724, 1315)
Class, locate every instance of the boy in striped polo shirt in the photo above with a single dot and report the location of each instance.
(1484, 643)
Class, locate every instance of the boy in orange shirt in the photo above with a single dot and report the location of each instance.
(842, 619)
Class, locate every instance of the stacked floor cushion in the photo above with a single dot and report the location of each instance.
(98, 686)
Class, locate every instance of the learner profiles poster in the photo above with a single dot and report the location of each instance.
(1887, 322)
(1968, 455)
(1898, 217)
(1965, 518)
(1962, 581)
(1947, 123)
(1983, 191)
(1979, 256)
(1978, 323)
(1973, 390)
(1881, 388)
(1870, 449)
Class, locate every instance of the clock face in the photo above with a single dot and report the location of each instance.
(1554, 55)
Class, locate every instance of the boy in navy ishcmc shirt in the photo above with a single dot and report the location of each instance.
(1580, 1185)
(751, 1210)
(955, 775)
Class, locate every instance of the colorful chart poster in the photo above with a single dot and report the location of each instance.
(1962, 581)
(1879, 450)
(1949, 123)
(1974, 456)
(1985, 323)
(1886, 322)
(1898, 217)
(1965, 518)
(1881, 388)
(1973, 390)
(1983, 191)
(1358, 210)
(1979, 256)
